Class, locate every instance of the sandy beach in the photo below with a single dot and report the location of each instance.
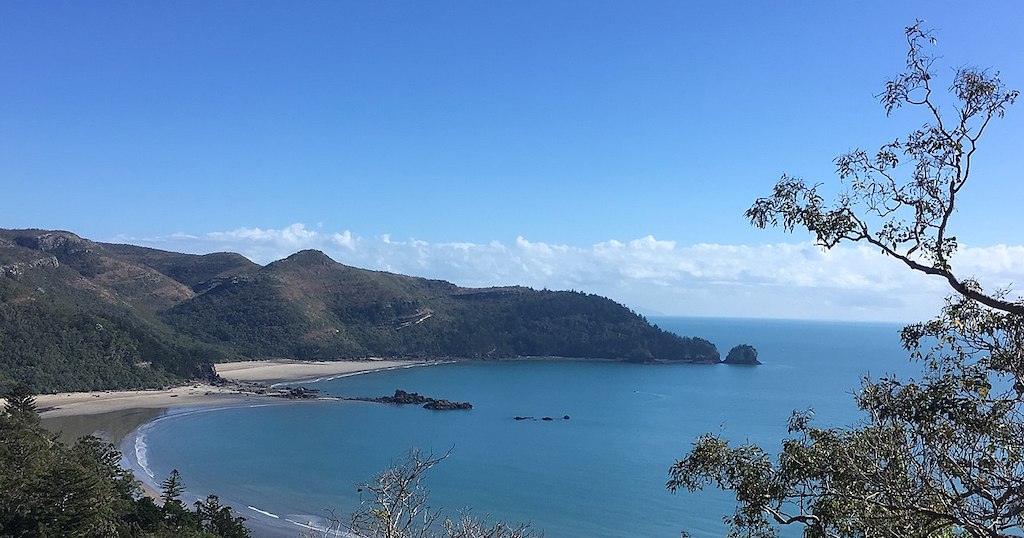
(284, 370)
(195, 394)
(112, 415)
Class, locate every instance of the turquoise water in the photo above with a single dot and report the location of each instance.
(600, 473)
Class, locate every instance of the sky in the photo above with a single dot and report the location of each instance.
(608, 147)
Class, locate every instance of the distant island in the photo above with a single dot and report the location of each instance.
(81, 315)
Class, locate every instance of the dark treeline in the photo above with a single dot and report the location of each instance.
(48, 489)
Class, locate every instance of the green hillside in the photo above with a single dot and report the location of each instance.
(77, 314)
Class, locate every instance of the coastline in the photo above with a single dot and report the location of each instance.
(279, 371)
(118, 416)
(112, 415)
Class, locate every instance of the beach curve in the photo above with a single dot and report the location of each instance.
(197, 394)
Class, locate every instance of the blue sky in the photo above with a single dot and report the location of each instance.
(604, 146)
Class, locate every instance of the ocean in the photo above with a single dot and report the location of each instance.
(601, 472)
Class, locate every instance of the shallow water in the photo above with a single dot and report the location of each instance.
(600, 473)
(110, 427)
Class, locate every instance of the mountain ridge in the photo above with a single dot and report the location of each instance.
(77, 314)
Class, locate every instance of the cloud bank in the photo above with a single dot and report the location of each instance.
(788, 280)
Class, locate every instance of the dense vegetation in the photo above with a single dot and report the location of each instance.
(78, 315)
(51, 489)
(55, 338)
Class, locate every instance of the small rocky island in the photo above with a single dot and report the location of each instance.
(402, 397)
(742, 354)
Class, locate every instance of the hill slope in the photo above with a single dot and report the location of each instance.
(77, 314)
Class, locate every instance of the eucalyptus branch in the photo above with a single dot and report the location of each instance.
(961, 287)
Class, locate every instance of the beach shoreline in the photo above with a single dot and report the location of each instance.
(120, 416)
(112, 415)
(243, 380)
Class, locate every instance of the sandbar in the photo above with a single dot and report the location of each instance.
(285, 370)
(197, 394)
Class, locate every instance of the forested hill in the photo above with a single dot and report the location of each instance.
(77, 315)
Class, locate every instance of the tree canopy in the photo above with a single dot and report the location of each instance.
(937, 456)
(51, 489)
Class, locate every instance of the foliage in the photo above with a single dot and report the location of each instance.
(60, 331)
(21, 403)
(219, 520)
(468, 526)
(55, 346)
(906, 219)
(171, 488)
(50, 489)
(399, 507)
(938, 456)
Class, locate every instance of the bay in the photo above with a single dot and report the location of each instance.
(602, 472)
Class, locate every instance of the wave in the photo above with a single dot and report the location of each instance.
(655, 395)
(323, 530)
(264, 512)
(141, 454)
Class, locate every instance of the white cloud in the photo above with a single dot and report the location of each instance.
(773, 280)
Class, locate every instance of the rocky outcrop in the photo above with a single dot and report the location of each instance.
(300, 393)
(50, 241)
(445, 405)
(742, 354)
(402, 397)
(15, 270)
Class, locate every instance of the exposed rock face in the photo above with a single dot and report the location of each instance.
(15, 270)
(208, 285)
(51, 241)
(742, 354)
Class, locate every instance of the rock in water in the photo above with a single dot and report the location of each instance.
(445, 405)
(742, 354)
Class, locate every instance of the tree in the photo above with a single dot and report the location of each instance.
(175, 513)
(21, 403)
(219, 519)
(171, 488)
(939, 456)
(398, 508)
(49, 489)
(468, 526)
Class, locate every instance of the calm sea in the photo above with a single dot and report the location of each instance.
(600, 473)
